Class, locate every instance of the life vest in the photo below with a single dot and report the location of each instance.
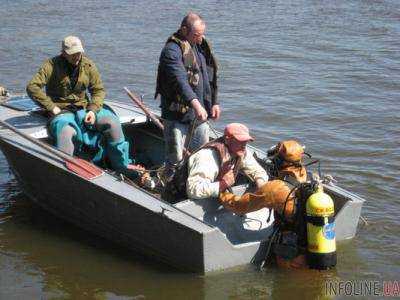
(226, 163)
(175, 189)
(193, 70)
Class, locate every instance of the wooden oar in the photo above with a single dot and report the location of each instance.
(157, 121)
(79, 166)
(148, 113)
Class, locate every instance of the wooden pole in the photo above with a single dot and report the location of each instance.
(148, 113)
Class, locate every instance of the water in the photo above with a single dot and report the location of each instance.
(323, 72)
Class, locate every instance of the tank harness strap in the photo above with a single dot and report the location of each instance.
(320, 221)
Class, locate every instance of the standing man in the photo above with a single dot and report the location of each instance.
(78, 122)
(187, 83)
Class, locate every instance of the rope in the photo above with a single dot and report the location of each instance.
(364, 220)
(188, 140)
(212, 128)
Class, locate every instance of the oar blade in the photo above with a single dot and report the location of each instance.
(83, 168)
(79, 166)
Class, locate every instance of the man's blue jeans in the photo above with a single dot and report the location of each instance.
(175, 134)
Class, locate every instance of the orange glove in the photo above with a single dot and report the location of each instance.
(272, 195)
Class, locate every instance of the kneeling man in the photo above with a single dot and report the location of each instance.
(214, 168)
(79, 123)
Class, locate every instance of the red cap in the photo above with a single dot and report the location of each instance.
(238, 131)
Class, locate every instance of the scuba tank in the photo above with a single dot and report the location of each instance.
(321, 242)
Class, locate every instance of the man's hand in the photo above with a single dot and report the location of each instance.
(136, 167)
(2, 91)
(199, 110)
(90, 117)
(55, 111)
(227, 180)
(215, 112)
(144, 179)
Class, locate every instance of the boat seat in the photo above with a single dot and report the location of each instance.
(22, 103)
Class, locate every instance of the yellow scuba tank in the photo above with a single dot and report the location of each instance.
(321, 242)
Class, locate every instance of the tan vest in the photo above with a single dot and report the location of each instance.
(226, 161)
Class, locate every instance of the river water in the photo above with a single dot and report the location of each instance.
(324, 72)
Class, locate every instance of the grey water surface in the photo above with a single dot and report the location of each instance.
(324, 72)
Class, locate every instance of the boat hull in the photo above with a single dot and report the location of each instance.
(103, 213)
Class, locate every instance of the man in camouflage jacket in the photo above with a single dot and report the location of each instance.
(78, 121)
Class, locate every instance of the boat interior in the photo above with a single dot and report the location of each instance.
(147, 148)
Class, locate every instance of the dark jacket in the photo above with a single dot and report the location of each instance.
(175, 85)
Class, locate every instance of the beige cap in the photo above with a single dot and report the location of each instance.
(71, 45)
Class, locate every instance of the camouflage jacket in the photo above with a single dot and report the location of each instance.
(54, 76)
